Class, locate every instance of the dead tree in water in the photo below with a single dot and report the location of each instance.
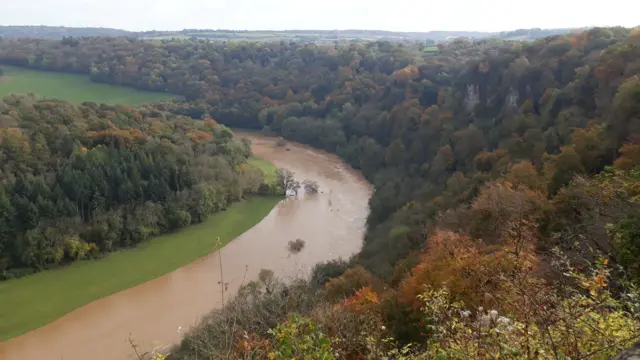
(310, 186)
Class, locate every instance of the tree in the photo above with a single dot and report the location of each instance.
(285, 180)
(310, 186)
(6, 219)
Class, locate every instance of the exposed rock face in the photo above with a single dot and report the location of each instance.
(473, 97)
(511, 101)
(633, 353)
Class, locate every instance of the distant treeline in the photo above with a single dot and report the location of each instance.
(58, 32)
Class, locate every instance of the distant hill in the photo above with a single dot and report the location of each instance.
(58, 32)
(54, 32)
(530, 34)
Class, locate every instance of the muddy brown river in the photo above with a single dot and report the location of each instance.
(157, 313)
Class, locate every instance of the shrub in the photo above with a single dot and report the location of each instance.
(300, 338)
(295, 246)
(264, 189)
(323, 272)
(310, 186)
(350, 282)
(178, 219)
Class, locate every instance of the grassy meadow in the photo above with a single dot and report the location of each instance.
(267, 168)
(71, 87)
(30, 302)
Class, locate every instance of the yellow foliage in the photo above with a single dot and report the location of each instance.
(364, 301)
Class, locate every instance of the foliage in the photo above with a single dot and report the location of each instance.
(80, 181)
(548, 325)
(509, 144)
(347, 284)
(324, 272)
(426, 129)
(300, 338)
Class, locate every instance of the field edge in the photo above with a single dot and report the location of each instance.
(229, 228)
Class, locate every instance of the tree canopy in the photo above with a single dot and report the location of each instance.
(77, 181)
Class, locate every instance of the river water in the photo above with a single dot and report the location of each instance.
(156, 314)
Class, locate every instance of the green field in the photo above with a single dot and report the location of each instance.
(30, 302)
(72, 88)
(431, 49)
(267, 168)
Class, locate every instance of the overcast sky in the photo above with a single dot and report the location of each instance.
(395, 15)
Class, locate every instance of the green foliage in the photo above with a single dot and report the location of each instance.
(323, 272)
(626, 242)
(299, 338)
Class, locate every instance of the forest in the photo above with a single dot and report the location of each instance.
(504, 222)
(81, 181)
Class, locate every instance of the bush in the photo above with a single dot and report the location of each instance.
(323, 272)
(350, 282)
(310, 187)
(264, 189)
(178, 219)
(300, 338)
(296, 246)
(347, 326)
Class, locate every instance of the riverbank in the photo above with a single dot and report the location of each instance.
(30, 302)
(157, 313)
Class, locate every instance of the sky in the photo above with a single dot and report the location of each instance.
(393, 15)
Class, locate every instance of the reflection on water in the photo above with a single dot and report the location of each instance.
(331, 223)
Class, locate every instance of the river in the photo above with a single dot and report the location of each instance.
(157, 313)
